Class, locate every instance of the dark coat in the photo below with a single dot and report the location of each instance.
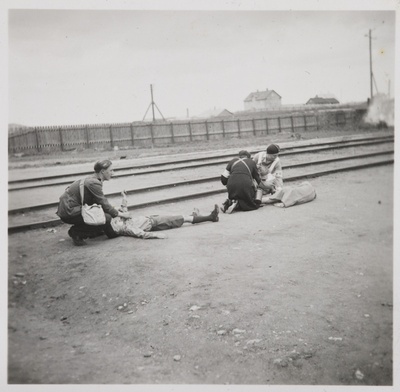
(240, 183)
(70, 204)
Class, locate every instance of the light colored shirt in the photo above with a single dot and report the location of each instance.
(138, 227)
(270, 171)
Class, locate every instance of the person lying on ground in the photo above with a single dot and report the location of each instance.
(147, 227)
(70, 205)
(270, 170)
(240, 177)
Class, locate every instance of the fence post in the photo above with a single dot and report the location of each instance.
(223, 128)
(151, 134)
(37, 139)
(132, 135)
(317, 120)
(208, 137)
(61, 139)
(190, 131)
(266, 125)
(254, 126)
(87, 136)
(238, 125)
(111, 137)
(292, 123)
(172, 133)
(305, 122)
(279, 125)
(11, 144)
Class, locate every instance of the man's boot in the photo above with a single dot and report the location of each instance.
(76, 239)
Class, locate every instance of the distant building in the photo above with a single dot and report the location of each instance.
(225, 113)
(322, 101)
(268, 99)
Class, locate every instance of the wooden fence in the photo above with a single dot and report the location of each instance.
(108, 136)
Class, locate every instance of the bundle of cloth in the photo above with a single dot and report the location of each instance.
(292, 195)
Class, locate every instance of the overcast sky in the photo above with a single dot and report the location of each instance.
(93, 66)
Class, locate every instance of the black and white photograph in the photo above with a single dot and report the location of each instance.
(200, 194)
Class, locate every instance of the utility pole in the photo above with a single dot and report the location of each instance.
(152, 100)
(152, 104)
(371, 75)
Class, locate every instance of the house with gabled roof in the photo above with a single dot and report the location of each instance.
(322, 101)
(268, 99)
(225, 113)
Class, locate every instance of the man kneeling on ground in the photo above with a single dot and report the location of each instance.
(145, 226)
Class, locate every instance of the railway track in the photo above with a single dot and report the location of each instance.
(33, 201)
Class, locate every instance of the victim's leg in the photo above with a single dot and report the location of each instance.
(213, 217)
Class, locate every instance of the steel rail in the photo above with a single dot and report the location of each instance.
(203, 164)
(56, 222)
(204, 179)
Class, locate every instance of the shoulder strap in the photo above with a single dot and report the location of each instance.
(81, 189)
(272, 167)
(234, 163)
(240, 159)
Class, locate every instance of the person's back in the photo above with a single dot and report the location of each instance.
(238, 178)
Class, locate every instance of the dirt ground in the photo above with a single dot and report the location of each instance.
(296, 296)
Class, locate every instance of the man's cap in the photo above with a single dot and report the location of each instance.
(273, 149)
(244, 153)
(102, 165)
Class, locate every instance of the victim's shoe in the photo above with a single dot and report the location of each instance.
(214, 214)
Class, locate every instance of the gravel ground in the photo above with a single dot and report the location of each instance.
(296, 296)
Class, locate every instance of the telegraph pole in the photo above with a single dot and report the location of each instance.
(370, 64)
(152, 104)
(152, 100)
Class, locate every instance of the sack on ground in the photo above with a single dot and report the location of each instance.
(93, 215)
(294, 195)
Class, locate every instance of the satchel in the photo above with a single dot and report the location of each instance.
(92, 215)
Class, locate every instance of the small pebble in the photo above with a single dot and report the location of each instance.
(177, 357)
(359, 375)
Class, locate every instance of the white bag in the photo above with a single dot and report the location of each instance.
(92, 215)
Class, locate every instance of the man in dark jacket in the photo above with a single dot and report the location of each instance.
(70, 205)
(238, 178)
